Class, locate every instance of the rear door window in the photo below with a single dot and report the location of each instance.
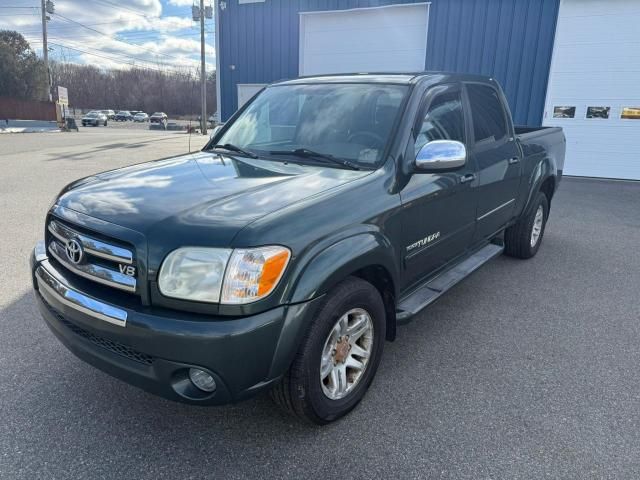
(488, 116)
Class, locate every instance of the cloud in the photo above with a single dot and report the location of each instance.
(181, 3)
(114, 35)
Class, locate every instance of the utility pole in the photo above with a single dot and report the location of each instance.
(199, 13)
(203, 74)
(45, 47)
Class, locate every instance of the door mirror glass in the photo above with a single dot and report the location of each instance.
(440, 155)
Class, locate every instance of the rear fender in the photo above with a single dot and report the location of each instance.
(542, 171)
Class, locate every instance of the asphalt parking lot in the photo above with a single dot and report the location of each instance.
(527, 369)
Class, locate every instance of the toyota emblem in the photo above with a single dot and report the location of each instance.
(74, 251)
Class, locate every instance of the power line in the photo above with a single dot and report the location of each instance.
(121, 7)
(137, 35)
(114, 56)
(121, 55)
(108, 57)
(117, 40)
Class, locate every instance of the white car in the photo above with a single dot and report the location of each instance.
(141, 117)
(94, 118)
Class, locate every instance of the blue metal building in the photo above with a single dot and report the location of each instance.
(261, 41)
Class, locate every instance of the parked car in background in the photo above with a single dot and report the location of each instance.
(94, 118)
(123, 116)
(141, 117)
(287, 251)
(109, 113)
(158, 117)
(135, 112)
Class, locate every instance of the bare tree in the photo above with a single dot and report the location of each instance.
(136, 88)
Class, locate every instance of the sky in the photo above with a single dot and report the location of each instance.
(157, 34)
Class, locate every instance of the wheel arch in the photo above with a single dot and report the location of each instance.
(543, 178)
(367, 255)
(380, 278)
(548, 187)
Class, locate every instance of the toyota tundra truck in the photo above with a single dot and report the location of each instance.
(325, 213)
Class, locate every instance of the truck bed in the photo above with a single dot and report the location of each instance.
(523, 131)
(538, 140)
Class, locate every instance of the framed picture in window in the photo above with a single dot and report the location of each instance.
(630, 113)
(598, 112)
(564, 112)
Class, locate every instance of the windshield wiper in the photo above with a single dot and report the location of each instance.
(234, 148)
(306, 153)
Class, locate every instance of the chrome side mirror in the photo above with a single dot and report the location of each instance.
(440, 155)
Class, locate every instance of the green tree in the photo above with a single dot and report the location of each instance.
(22, 73)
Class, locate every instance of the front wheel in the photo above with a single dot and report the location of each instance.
(338, 357)
(523, 239)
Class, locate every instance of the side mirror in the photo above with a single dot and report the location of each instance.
(441, 155)
(215, 130)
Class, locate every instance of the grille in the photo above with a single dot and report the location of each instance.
(114, 347)
(92, 258)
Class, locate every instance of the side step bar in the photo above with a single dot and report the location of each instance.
(430, 291)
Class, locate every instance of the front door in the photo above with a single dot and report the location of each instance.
(438, 209)
(497, 155)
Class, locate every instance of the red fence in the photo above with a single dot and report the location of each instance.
(14, 109)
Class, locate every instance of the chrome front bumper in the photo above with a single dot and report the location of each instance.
(53, 289)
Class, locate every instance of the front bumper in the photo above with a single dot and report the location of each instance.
(154, 348)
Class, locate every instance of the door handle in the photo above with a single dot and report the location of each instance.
(467, 178)
(513, 160)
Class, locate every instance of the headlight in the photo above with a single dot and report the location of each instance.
(198, 273)
(194, 273)
(253, 274)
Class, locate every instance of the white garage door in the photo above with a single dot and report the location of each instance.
(594, 87)
(379, 39)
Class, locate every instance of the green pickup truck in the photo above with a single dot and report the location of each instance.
(326, 212)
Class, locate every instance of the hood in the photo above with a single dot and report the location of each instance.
(201, 198)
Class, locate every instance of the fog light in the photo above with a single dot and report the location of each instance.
(201, 379)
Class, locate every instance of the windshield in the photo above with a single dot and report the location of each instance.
(348, 121)
(123, 112)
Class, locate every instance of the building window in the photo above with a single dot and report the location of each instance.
(630, 113)
(564, 112)
(598, 112)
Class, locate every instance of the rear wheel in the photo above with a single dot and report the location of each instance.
(338, 357)
(523, 239)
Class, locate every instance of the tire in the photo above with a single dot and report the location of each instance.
(105, 123)
(302, 392)
(519, 239)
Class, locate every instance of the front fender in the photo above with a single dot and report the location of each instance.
(321, 268)
(330, 262)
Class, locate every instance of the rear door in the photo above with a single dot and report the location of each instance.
(497, 155)
(438, 209)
